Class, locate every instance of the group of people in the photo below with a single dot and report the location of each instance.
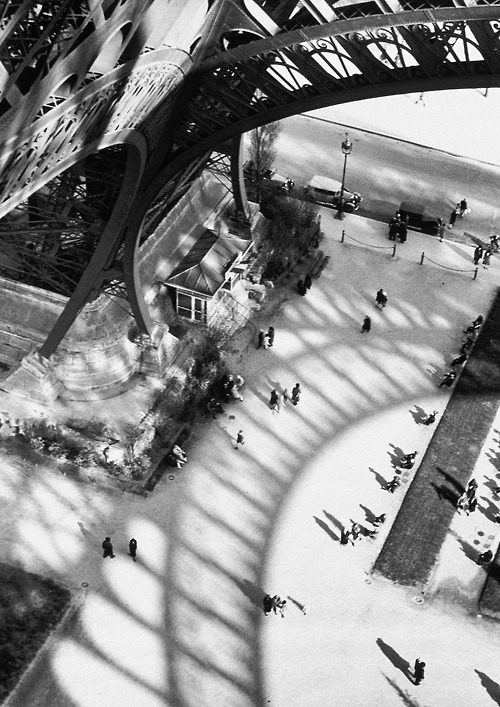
(178, 456)
(407, 461)
(265, 339)
(398, 227)
(484, 253)
(275, 603)
(276, 398)
(471, 334)
(107, 547)
(468, 501)
(231, 386)
(461, 209)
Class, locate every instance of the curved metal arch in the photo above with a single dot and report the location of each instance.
(109, 243)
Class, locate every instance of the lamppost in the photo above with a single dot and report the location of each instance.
(346, 149)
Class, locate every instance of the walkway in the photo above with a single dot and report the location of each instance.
(184, 626)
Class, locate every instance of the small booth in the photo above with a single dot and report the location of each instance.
(210, 270)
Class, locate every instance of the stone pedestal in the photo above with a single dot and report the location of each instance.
(34, 379)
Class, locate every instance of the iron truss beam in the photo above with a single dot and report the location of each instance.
(334, 63)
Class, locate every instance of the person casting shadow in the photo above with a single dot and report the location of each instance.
(398, 661)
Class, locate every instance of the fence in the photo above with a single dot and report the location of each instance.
(423, 257)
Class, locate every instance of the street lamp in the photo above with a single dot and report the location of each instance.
(346, 149)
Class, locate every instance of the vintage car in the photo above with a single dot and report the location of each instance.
(323, 190)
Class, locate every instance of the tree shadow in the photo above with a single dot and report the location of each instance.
(379, 478)
(445, 493)
(491, 687)
(334, 520)
(398, 661)
(326, 528)
(419, 415)
(405, 697)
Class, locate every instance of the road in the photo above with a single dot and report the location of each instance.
(387, 171)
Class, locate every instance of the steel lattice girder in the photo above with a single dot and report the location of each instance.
(335, 62)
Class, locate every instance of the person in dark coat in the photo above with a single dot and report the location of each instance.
(478, 254)
(270, 334)
(344, 536)
(453, 216)
(403, 231)
(381, 298)
(296, 391)
(301, 288)
(260, 339)
(274, 401)
(392, 485)
(430, 419)
(107, 546)
(463, 207)
(267, 604)
(448, 379)
(240, 439)
(485, 557)
(308, 281)
(394, 225)
(419, 671)
(367, 325)
(132, 549)
(459, 360)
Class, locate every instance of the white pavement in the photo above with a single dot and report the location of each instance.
(184, 626)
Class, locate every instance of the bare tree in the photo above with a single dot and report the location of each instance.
(263, 153)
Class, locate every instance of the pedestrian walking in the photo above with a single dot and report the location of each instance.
(378, 520)
(308, 281)
(484, 557)
(367, 325)
(408, 460)
(463, 208)
(419, 671)
(265, 342)
(471, 488)
(178, 456)
(355, 531)
(486, 259)
(214, 407)
(453, 216)
(285, 397)
(478, 321)
(296, 392)
(462, 503)
(403, 231)
(467, 345)
(392, 485)
(132, 549)
(381, 298)
(472, 505)
(260, 339)
(107, 546)
(394, 225)
(281, 605)
(430, 419)
(459, 360)
(494, 243)
(239, 439)
(344, 536)
(301, 288)
(240, 381)
(267, 604)
(478, 254)
(274, 401)
(270, 334)
(448, 379)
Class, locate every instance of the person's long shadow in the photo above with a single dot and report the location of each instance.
(419, 415)
(445, 493)
(468, 550)
(369, 514)
(492, 485)
(326, 528)
(334, 520)
(251, 591)
(451, 479)
(396, 455)
(398, 661)
(86, 533)
(491, 687)
(490, 510)
(379, 478)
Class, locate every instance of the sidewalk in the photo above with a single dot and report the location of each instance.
(367, 233)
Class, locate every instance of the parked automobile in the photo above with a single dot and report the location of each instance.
(323, 190)
(418, 217)
(270, 179)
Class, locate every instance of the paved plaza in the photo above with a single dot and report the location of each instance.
(184, 625)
